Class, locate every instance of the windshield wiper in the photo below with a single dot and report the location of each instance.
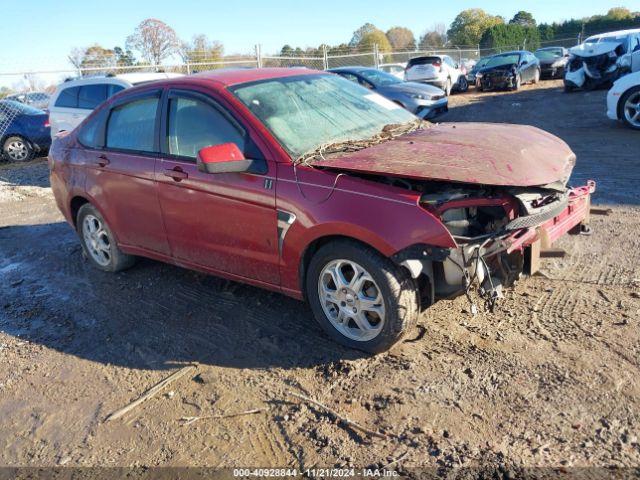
(388, 132)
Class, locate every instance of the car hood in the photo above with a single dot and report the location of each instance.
(499, 68)
(479, 153)
(413, 87)
(587, 50)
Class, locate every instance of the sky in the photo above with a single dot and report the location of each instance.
(49, 29)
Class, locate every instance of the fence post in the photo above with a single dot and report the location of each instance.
(258, 55)
(325, 58)
(376, 60)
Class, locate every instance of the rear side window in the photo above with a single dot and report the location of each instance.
(68, 98)
(424, 61)
(113, 89)
(132, 126)
(91, 96)
(194, 124)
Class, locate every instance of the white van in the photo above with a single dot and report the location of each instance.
(74, 100)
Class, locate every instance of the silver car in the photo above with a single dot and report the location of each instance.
(426, 101)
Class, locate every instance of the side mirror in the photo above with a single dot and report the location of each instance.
(524, 62)
(227, 158)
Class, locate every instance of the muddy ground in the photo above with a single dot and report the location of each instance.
(552, 378)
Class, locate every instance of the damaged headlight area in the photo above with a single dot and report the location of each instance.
(490, 227)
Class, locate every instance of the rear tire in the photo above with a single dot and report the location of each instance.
(98, 243)
(17, 149)
(361, 299)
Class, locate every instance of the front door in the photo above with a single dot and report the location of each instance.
(225, 222)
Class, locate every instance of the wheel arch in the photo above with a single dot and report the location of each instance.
(317, 243)
(74, 207)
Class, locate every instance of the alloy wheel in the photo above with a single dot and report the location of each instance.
(96, 240)
(17, 150)
(632, 109)
(351, 300)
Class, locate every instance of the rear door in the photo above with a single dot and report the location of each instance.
(121, 174)
(224, 222)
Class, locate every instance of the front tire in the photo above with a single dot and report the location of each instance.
(98, 243)
(517, 83)
(536, 76)
(629, 110)
(463, 85)
(17, 149)
(360, 298)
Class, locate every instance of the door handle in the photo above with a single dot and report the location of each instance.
(103, 161)
(176, 174)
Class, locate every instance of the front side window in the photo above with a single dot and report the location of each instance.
(91, 96)
(68, 98)
(304, 112)
(195, 124)
(132, 126)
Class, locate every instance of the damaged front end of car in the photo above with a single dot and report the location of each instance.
(593, 65)
(499, 233)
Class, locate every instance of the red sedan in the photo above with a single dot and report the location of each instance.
(305, 183)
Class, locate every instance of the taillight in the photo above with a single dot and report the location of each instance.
(46, 123)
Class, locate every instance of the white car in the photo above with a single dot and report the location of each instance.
(623, 100)
(74, 100)
(439, 70)
(602, 59)
(395, 69)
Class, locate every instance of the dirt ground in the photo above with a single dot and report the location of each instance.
(551, 379)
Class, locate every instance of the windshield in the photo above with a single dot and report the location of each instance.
(481, 64)
(378, 78)
(306, 112)
(548, 54)
(500, 60)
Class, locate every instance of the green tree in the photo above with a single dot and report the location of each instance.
(511, 37)
(124, 58)
(401, 38)
(434, 37)
(467, 28)
(373, 37)
(286, 50)
(523, 18)
(361, 32)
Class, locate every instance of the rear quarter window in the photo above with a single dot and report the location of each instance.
(68, 98)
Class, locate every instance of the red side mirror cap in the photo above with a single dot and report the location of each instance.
(223, 158)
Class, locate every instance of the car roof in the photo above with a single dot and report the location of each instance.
(234, 76)
(615, 34)
(355, 68)
(134, 78)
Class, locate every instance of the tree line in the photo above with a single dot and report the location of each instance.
(153, 41)
(476, 28)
